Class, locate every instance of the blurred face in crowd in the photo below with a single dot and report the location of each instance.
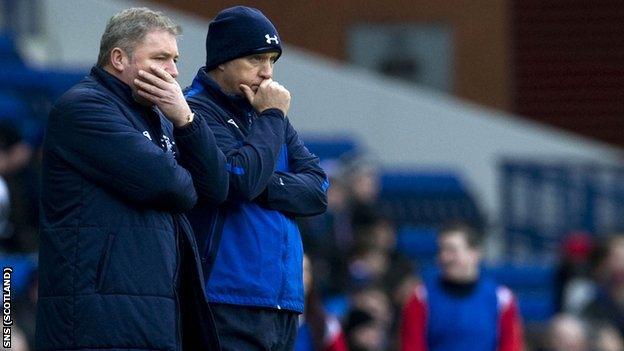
(307, 274)
(367, 337)
(365, 185)
(567, 334)
(608, 339)
(158, 48)
(459, 262)
(375, 302)
(249, 70)
(336, 196)
(615, 259)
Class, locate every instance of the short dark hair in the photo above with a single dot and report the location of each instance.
(128, 28)
(473, 238)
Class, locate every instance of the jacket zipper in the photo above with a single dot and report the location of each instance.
(175, 279)
(210, 255)
(283, 263)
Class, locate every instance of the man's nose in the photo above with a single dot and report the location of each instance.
(266, 71)
(172, 69)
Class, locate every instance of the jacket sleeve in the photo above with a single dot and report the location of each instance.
(414, 322)
(250, 163)
(334, 339)
(510, 322)
(303, 190)
(200, 155)
(91, 134)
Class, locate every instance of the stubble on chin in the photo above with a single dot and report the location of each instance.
(141, 100)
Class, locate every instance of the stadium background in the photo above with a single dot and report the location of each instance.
(504, 114)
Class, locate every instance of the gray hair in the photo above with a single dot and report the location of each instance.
(128, 28)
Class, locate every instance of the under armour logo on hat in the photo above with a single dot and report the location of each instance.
(269, 39)
(238, 32)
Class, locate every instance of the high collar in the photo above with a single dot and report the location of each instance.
(236, 102)
(118, 88)
(458, 288)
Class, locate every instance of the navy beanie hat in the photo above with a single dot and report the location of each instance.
(239, 31)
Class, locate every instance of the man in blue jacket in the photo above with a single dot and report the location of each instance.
(256, 281)
(123, 158)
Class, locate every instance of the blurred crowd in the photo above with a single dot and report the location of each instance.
(19, 205)
(353, 254)
(357, 282)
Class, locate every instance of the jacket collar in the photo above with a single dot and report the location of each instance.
(151, 116)
(237, 104)
(119, 89)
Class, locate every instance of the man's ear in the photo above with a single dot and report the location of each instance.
(221, 67)
(118, 59)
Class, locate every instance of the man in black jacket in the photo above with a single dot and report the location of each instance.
(123, 158)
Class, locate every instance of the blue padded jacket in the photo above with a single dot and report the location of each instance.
(251, 245)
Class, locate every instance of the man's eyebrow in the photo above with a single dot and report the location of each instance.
(166, 53)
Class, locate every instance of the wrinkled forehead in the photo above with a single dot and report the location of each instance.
(455, 238)
(159, 40)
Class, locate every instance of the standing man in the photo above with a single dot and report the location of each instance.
(123, 158)
(256, 282)
(460, 309)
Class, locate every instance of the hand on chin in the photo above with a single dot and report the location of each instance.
(141, 100)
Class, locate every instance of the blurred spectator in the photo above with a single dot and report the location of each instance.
(566, 333)
(575, 288)
(608, 304)
(18, 340)
(459, 308)
(25, 307)
(363, 332)
(328, 239)
(363, 179)
(330, 231)
(605, 337)
(368, 322)
(318, 330)
(392, 270)
(21, 173)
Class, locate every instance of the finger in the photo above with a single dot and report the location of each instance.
(162, 74)
(147, 96)
(149, 88)
(247, 91)
(153, 80)
(266, 83)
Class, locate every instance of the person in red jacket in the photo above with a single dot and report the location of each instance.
(459, 308)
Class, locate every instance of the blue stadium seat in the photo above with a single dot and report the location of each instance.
(419, 244)
(23, 268)
(9, 56)
(425, 198)
(12, 106)
(330, 147)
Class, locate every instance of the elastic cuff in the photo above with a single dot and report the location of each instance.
(187, 129)
(273, 112)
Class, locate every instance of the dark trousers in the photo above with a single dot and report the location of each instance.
(242, 328)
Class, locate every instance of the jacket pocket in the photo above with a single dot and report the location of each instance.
(102, 266)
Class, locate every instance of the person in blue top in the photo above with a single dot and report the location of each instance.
(250, 245)
(459, 307)
(123, 159)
